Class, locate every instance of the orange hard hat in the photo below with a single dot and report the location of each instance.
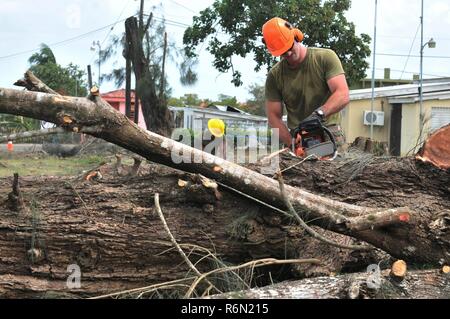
(279, 35)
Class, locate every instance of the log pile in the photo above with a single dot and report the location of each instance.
(109, 227)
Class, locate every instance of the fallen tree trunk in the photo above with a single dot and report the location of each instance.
(110, 229)
(411, 241)
(29, 134)
(423, 284)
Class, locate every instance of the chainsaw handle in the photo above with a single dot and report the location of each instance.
(331, 136)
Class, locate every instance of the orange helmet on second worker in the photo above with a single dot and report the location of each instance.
(279, 35)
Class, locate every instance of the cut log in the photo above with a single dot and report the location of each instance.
(436, 149)
(411, 242)
(15, 199)
(423, 284)
(398, 270)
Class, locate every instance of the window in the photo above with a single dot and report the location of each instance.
(440, 116)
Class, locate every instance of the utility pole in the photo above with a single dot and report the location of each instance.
(431, 44)
(94, 44)
(373, 69)
(89, 76)
(421, 76)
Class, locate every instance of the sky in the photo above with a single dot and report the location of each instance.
(70, 26)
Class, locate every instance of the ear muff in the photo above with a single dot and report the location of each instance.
(298, 35)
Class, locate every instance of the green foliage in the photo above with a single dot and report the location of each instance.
(227, 100)
(10, 124)
(44, 56)
(153, 44)
(233, 28)
(174, 101)
(187, 74)
(64, 80)
(256, 105)
(191, 99)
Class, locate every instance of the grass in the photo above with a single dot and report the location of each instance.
(40, 165)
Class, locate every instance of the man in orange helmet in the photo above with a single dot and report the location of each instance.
(309, 81)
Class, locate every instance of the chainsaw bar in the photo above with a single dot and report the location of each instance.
(321, 150)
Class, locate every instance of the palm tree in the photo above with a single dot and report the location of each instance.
(44, 56)
(10, 124)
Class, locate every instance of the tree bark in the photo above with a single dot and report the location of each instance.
(412, 241)
(32, 83)
(424, 284)
(110, 229)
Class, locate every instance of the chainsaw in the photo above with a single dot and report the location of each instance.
(313, 138)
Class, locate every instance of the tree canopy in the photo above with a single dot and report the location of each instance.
(67, 80)
(153, 46)
(64, 80)
(233, 28)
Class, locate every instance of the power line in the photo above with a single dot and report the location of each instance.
(170, 22)
(410, 50)
(416, 56)
(408, 37)
(61, 42)
(110, 30)
(180, 5)
(409, 72)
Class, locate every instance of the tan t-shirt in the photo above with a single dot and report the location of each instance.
(305, 88)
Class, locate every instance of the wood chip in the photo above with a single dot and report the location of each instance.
(208, 183)
(182, 183)
(67, 119)
(95, 91)
(398, 269)
(446, 270)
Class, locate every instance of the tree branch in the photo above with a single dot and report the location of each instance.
(308, 229)
(174, 242)
(112, 126)
(33, 83)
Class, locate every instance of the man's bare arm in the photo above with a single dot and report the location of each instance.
(339, 95)
(274, 111)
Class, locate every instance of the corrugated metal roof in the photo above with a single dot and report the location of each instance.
(414, 98)
(221, 114)
(400, 90)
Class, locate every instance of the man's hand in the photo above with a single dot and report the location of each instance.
(317, 114)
